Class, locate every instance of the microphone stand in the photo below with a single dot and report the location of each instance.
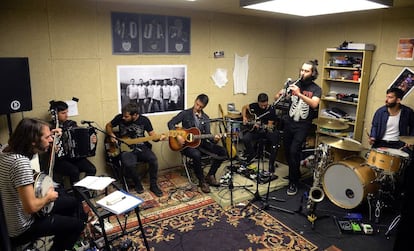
(231, 185)
(116, 158)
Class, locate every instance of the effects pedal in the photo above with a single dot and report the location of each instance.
(356, 227)
(367, 228)
(345, 225)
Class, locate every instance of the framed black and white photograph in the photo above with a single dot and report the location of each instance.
(155, 88)
(404, 81)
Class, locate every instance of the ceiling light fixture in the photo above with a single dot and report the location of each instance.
(307, 8)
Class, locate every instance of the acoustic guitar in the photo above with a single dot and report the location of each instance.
(253, 123)
(192, 137)
(125, 144)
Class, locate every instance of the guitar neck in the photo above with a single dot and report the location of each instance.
(130, 141)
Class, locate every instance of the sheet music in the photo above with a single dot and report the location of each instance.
(119, 202)
(94, 182)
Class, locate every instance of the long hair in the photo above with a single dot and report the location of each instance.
(26, 137)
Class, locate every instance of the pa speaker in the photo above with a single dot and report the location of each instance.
(15, 91)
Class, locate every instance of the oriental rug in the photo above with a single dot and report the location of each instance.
(210, 227)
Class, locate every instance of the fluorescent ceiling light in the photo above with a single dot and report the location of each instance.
(314, 7)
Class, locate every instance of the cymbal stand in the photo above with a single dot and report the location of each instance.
(231, 185)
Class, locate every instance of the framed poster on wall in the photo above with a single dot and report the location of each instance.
(150, 34)
(155, 88)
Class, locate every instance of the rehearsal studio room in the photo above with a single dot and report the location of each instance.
(77, 52)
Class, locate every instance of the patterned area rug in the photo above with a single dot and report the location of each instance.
(210, 227)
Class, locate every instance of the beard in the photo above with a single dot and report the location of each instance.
(391, 105)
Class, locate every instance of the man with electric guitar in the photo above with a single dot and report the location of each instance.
(196, 120)
(22, 207)
(132, 127)
(259, 120)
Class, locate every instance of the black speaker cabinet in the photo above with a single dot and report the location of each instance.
(15, 91)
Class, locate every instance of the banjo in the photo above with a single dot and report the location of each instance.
(43, 181)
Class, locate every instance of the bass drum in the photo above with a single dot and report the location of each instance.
(348, 182)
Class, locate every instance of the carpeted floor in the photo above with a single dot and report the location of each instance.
(186, 219)
(210, 227)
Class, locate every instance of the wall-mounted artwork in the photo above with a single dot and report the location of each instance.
(150, 34)
(404, 81)
(155, 88)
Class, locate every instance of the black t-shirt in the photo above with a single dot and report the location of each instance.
(266, 115)
(133, 129)
(299, 110)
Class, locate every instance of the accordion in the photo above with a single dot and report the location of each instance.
(76, 142)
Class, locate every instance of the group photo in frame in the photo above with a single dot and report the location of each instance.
(134, 33)
(404, 81)
(155, 88)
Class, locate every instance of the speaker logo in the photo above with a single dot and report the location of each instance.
(15, 105)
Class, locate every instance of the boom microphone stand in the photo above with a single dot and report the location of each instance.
(231, 185)
(257, 197)
(121, 175)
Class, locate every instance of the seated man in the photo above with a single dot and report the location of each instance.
(259, 121)
(196, 117)
(64, 164)
(133, 125)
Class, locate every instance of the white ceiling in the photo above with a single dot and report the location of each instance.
(221, 6)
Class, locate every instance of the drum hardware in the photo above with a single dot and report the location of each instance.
(332, 124)
(342, 143)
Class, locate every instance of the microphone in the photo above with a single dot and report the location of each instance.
(87, 122)
(285, 91)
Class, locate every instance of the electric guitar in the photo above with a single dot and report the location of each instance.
(192, 137)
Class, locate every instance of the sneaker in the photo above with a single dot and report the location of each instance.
(204, 187)
(211, 180)
(156, 190)
(292, 189)
(139, 188)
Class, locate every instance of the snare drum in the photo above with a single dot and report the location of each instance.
(387, 159)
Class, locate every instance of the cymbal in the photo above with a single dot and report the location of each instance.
(407, 139)
(333, 124)
(342, 143)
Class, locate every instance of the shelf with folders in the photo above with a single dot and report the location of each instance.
(345, 81)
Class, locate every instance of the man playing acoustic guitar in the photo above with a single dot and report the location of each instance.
(195, 117)
(132, 125)
(259, 120)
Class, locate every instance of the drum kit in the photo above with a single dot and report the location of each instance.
(349, 181)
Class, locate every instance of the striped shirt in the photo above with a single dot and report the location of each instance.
(15, 171)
